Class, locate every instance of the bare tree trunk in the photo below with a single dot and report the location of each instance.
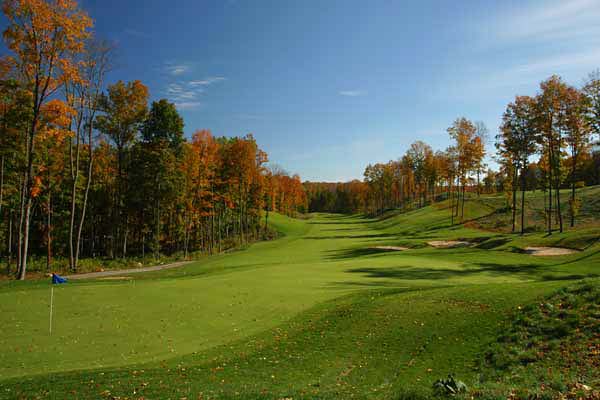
(451, 194)
(219, 232)
(117, 211)
(21, 235)
(85, 194)
(550, 200)
(557, 176)
(157, 229)
(74, 180)
(457, 197)
(27, 187)
(1, 183)
(514, 198)
(186, 238)
(20, 227)
(25, 251)
(545, 203)
(558, 209)
(572, 204)
(573, 179)
(125, 234)
(48, 233)
(523, 201)
(9, 247)
(462, 210)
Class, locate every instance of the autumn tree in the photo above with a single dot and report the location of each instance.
(516, 143)
(124, 110)
(15, 111)
(577, 136)
(481, 133)
(159, 153)
(83, 96)
(591, 91)
(52, 135)
(420, 155)
(43, 37)
(468, 147)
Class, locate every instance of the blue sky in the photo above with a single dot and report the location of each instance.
(329, 86)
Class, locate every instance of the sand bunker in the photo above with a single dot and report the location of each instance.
(448, 244)
(548, 251)
(390, 248)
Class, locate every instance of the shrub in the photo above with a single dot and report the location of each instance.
(449, 386)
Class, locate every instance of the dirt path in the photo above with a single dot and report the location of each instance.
(91, 275)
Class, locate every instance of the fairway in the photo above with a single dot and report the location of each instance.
(231, 298)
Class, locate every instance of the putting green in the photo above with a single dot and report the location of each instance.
(170, 313)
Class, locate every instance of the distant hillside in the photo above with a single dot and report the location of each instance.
(494, 212)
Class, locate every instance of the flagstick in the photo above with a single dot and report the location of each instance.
(51, 304)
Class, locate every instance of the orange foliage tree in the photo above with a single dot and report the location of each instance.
(44, 37)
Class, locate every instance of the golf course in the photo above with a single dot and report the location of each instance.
(299, 200)
(338, 306)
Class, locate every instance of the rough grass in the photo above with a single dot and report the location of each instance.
(500, 216)
(550, 349)
(318, 313)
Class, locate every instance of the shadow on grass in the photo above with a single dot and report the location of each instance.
(493, 243)
(357, 252)
(369, 236)
(583, 257)
(425, 251)
(408, 273)
(338, 222)
(341, 229)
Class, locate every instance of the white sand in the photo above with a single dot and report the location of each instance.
(448, 244)
(549, 251)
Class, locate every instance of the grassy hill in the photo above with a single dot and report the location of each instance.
(322, 312)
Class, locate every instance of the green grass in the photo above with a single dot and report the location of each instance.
(499, 217)
(551, 348)
(316, 313)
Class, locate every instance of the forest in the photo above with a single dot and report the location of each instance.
(546, 142)
(93, 169)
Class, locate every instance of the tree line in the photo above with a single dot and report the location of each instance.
(544, 142)
(419, 177)
(557, 125)
(88, 172)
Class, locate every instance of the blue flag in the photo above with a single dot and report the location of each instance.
(57, 279)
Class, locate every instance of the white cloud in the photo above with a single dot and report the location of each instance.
(186, 94)
(523, 76)
(555, 64)
(178, 69)
(207, 81)
(554, 20)
(526, 44)
(187, 105)
(352, 93)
